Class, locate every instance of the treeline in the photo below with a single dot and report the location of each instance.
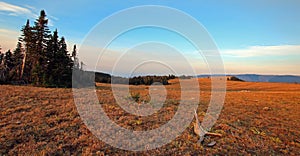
(88, 78)
(137, 80)
(41, 58)
(233, 78)
(149, 80)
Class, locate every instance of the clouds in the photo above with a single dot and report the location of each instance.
(278, 59)
(258, 51)
(27, 11)
(14, 10)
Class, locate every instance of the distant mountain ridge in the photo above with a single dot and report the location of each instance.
(262, 78)
(269, 78)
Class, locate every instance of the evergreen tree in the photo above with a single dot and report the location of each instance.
(52, 58)
(41, 35)
(17, 61)
(62, 66)
(7, 66)
(8, 60)
(29, 42)
(74, 58)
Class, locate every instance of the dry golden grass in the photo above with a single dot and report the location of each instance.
(257, 118)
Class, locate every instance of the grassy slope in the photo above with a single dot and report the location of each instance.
(257, 118)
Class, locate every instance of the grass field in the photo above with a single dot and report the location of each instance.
(257, 119)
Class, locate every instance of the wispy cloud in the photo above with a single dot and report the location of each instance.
(26, 10)
(30, 7)
(255, 51)
(51, 22)
(53, 18)
(14, 10)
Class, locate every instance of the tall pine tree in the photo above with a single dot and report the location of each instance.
(41, 34)
(64, 68)
(75, 58)
(17, 62)
(8, 65)
(29, 43)
(52, 59)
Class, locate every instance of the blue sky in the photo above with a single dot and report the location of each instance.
(253, 36)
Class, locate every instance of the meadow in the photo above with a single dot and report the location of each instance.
(257, 119)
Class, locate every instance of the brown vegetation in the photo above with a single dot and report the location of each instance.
(257, 118)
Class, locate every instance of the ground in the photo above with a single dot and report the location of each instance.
(257, 119)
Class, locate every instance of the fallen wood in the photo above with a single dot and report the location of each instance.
(214, 134)
(201, 132)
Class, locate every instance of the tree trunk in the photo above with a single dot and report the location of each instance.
(23, 66)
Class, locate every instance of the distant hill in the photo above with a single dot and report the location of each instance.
(261, 78)
(269, 78)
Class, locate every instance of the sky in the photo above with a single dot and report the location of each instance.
(261, 37)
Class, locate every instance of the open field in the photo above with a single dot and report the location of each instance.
(257, 119)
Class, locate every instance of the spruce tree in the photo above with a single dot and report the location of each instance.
(29, 43)
(52, 59)
(8, 66)
(17, 62)
(75, 58)
(41, 34)
(8, 60)
(65, 65)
